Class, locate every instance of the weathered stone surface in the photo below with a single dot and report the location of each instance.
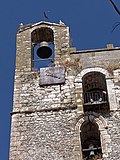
(52, 75)
(48, 109)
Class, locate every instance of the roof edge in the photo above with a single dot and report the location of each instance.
(95, 50)
(23, 27)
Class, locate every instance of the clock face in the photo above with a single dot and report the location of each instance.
(52, 75)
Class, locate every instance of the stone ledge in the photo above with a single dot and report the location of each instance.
(73, 106)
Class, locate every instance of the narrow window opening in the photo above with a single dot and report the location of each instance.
(42, 48)
(90, 141)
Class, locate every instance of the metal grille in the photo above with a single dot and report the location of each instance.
(95, 97)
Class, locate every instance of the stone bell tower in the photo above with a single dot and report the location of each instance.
(66, 102)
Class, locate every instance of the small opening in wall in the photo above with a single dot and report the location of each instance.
(119, 103)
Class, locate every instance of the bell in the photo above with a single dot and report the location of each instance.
(44, 51)
(92, 154)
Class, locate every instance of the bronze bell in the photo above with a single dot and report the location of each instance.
(44, 51)
(92, 154)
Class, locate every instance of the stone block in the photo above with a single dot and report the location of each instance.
(52, 75)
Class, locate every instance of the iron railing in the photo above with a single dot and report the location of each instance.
(95, 97)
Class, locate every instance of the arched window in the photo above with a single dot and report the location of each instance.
(90, 141)
(42, 47)
(95, 97)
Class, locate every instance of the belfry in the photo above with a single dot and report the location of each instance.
(66, 102)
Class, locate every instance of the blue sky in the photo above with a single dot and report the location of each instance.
(90, 23)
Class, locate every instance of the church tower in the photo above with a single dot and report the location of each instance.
(66, 102)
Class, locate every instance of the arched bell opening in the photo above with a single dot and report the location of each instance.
(95, 96)
(42, 47)
(90, 141)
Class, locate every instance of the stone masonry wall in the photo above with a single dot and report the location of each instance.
(114, 132)
(43, 123)
(46, 120)
(42, 135)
